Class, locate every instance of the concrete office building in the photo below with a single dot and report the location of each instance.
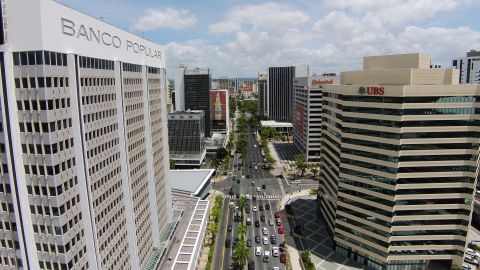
(186, 138)
(82, 107)
(399, 156)
(192, 92)
(280, 91)
(262, 93)
(307, 113)
(469, 67)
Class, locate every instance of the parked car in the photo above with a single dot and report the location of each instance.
(258, 251)
(251, 265)
(249, 242)
(265, 231)
(258, 189)
(254, 208)
(277, 214)
(249, 221)
(260, 207)
(273, 239)
(270, 222)
(283, 258)
(253, 183)
(265, 240)
(278, 222)
(257, 239)
(267, 206)
(247, 209)
(281, 230)
(232, 204)
(262, 218)
(264, 186)
(266, 256)
(281, 247)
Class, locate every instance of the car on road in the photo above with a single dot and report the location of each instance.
(257, 223)
(247, 196)
(227, 242)
(467, 267)
(248, 175)
(230, 192)
(260, 207)
(232, 204)
(278, 222)
(281, 230)
(237, 195)
(275, 252)
(265, 231)
(258, 251)
(254, 145)
(255, 167)
(262, 218)
(229, 228)
(253, 183)
(283, 258)
(267, 206)
(266, 256)
(236, 208)
(264, 186)
(249, 221)
(238, 181)
(273, 239)
(265, 240)
(247, 209)
(234, 177)
(251, 265)
(276, 268)
(258, 189)
(257, 239)
(254, 209)
(277, 214)
(281, 247)
(270, 222)
(232, 266)
(249, 242)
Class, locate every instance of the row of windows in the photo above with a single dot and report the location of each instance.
(399, 100)
(131, 67)
(95, 63)
(45, 127)
(102, 147)
(96, 116)
(47, 149)
(97, 81)
(40, 82)
(93, 99)
(400, 124)
(49, 170)
(39, 58)
(52, 191)
(153, 70)
(43, 105)
(407, 147)
(100, 132)
(400, 112)
(100, 165)
(56, 211)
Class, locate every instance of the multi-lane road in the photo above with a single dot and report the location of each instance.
(247, 184)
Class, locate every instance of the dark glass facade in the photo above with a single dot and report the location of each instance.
(280, 93)
(197, 96)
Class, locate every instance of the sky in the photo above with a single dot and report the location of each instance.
(241, 38)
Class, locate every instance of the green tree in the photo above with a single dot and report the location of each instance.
(213, 228)
(242, 201)
(241, 253)
(301, 164)
(242, 231)
(314, 168)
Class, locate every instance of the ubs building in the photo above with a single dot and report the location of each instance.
(83, 104)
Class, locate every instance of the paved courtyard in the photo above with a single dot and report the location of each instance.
(317, 239)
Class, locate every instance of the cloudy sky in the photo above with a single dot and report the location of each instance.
(243, 37)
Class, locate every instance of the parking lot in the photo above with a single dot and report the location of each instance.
(318, 240)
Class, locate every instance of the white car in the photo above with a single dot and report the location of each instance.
(254, 145)
(265, 231)
(266, 256)
(275, 252)
(247, 196)
(232, 204)
(254, 209)
(258, 251)
(265, 240)
(258, 189)
(276, 268)
(237, 208)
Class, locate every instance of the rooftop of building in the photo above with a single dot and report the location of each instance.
(188, 112)
(272, 123)
(473, 53)
(189, 181)
(399, 69)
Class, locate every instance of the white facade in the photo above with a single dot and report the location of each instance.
(83, 104)
(307, 113)
(180, 89)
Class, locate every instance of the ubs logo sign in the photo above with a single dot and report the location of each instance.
(371, 90)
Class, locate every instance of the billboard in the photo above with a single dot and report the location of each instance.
(218, 109)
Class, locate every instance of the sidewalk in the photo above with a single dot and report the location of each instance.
(293, 254)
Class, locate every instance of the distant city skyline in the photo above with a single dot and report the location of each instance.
(239, 39)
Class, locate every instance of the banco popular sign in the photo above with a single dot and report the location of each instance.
(80, 31)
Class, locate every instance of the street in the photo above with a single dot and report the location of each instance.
(273, 191)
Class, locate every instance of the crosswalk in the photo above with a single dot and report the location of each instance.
(259, 197)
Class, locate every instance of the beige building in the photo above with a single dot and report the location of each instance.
(399, 151)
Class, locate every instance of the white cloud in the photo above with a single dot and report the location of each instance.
(268, 15)
(153, 19)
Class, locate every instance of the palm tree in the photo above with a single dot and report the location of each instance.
(242, 231)
(241, 203)
(213, 227)
(241, 253)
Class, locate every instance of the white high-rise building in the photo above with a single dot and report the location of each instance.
(83, 142)
(469, 67)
